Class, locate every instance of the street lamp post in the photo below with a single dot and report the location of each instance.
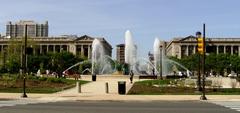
(203, 97)
(4, 60)
(161, 63)
(24, 66)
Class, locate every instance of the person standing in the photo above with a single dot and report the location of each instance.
(153, 72)
(131, 76)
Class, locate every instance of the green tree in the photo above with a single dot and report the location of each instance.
(61, 61)
(118, 66)
(222, 62)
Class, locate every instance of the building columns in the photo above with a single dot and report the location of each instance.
(67, 48)
(224, 49)
(40, 49)
(231, 49)
(61, 49)
(89, 52)
(217, 48)
(34, 51)
(194, 49)
(47, 48)
(82, 51)
(54, 49)
(187, 53)
(180, 52)
(2, 48)
(238, 50)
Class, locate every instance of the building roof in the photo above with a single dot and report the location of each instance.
(64, 38)
(120, 45)
(193, 39)
(24, 22)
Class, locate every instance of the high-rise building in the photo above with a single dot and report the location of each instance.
(34, 29)
(121, 53)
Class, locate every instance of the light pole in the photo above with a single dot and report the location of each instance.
(4, 60)
(198, 35)
(161, 62)
(24, 66)
(203, 97)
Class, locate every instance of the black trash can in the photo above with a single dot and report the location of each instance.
(94, 77)
(121, 87)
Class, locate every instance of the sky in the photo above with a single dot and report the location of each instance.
(146, 19)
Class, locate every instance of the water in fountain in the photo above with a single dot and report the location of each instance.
(156, 54)
(170, 63)
(143, 66)
(101, 63)
(79, 63)
(130, 49)
(167, 64)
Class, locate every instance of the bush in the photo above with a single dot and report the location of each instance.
(31, 77)
(56, 80)
(42, 78)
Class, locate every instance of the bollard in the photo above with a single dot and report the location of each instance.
(78, 85)
(107, 90)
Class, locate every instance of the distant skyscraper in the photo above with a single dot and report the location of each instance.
(121, 53)
(34, 29)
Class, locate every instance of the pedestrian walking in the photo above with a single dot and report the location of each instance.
(131, 76)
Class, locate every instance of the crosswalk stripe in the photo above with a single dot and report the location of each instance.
(234, 105)
(19, 102)
(234, 108)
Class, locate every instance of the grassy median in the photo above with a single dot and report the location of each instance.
(14, 84)
(175, 87)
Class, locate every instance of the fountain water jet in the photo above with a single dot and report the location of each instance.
(156, 54)
(130, 49)
(101, 63)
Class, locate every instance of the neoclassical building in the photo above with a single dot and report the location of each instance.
(181, 47)
(81, 46)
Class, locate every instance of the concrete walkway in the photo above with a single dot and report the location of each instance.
(99, 86)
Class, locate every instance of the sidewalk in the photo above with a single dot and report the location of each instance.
(96, 91)
(116, 97)
(98, 87)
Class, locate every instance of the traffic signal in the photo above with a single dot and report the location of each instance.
(200, 45)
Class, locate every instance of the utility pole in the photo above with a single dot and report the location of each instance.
(202, 52)
(203, 97)
(161, 63)
(23, 65)
(4, 60)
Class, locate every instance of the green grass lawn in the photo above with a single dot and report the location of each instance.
(169, 87)
(14, 84)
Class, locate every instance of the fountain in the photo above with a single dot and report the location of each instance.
(156, 54)
(130, 50)
(143, 66)
(101, 63)
(167, 64)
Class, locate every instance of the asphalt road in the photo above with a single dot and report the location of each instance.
(119, 107)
